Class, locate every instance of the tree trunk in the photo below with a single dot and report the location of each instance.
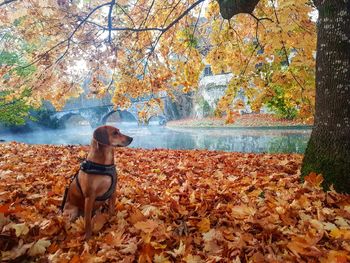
(229, 8)
(328, 151)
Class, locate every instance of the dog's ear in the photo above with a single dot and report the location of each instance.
(101, 135)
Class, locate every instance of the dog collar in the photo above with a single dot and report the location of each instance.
(96, 168)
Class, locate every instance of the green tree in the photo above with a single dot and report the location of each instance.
(15, 105)
(14, 112)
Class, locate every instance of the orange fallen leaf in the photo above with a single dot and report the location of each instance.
(314, 179)
(334, 256)
(204, 225)
(98, 222)
(147, 226)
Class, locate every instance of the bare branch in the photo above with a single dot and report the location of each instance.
(126, 13)
(285, 49)
(7, 2)
(146, 18)
(194, 29)
(163, 30)
(67, 39)
(110, 20)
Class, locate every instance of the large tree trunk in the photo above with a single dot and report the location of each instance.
(229, 8)
(328, 151)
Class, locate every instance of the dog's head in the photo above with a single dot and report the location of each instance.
(109, 135)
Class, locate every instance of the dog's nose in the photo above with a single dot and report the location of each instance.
(130, 139)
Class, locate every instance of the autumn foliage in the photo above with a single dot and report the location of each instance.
(132, 49)
(173, 206)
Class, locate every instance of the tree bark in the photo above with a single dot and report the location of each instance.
(229, 8)
(328, 151)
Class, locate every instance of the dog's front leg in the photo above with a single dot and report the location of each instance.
(89, 203)
(111, 204)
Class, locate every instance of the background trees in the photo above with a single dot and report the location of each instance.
(151, 46)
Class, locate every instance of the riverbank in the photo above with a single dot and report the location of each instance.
(283, 140)
(241, 121)
(172, 206)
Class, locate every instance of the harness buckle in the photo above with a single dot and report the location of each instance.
(85, 165)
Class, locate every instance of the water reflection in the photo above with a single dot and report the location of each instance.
(237, 140)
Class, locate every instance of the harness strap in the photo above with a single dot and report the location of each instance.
(93, 168)
(64, 200)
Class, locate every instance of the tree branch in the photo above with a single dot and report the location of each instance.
(285, 49)
(229, 8)
(148, 12)
(80, 24)
(7, 2)
(110, 20)
(163, 30)
(126, 13)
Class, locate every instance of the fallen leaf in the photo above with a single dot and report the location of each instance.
(147, 226)
(98, 222)
(204, 225)
(314, 179)
(39, 247)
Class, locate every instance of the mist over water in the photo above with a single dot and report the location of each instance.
(155, 136)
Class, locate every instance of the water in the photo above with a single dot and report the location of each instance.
(153, 136)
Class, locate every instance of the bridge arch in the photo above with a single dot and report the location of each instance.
(161, 119)
(122, 114)
(64, 118)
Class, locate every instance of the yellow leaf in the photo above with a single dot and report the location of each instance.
(39, 247)
(242, 211)
(178, 251)
(21, 229)
(192, 259)
(204, 225)
(340, 233)
(161, 259)
(157, 245)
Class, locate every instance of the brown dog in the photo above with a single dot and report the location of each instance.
(96, 181)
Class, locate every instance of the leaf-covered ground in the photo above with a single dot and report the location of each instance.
(172, 206)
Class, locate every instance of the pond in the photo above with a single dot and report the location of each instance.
(270, 140)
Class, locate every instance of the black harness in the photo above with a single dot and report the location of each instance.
(94, 168)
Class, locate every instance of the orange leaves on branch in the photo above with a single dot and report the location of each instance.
(259, 50)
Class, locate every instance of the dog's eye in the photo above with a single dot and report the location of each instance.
(115, 132)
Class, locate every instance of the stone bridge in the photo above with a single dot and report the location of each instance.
(98, 115)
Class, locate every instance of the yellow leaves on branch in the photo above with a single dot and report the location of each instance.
(141, 63)
(258, 52)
